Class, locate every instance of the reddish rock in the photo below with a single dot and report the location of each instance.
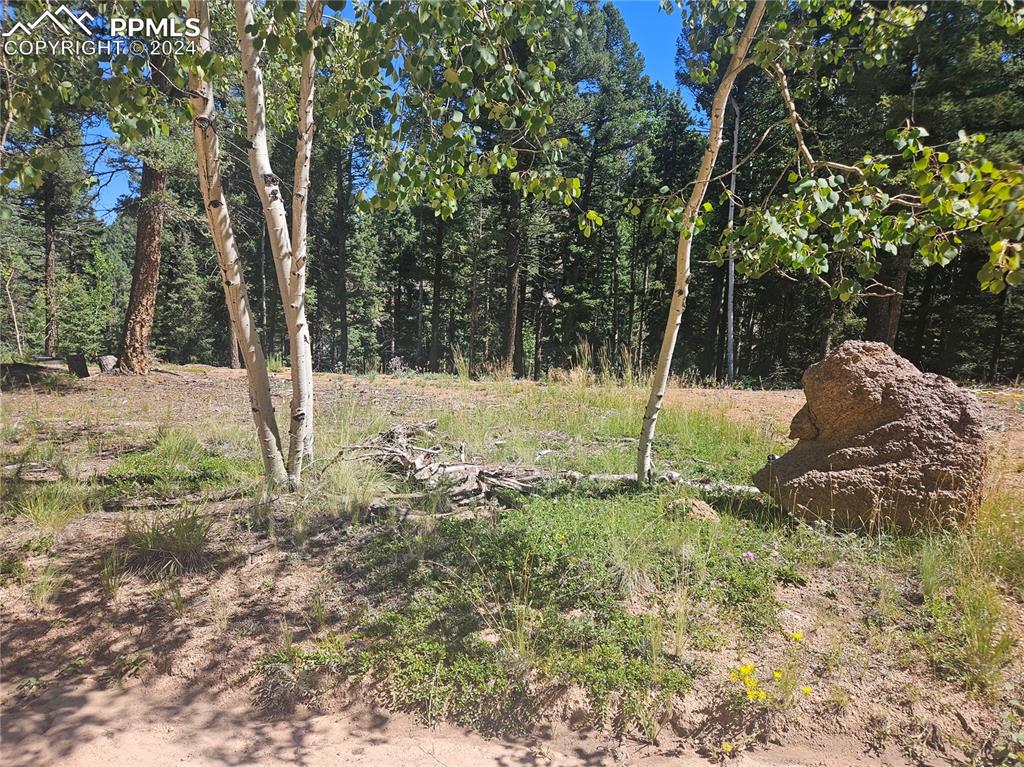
(880, 444)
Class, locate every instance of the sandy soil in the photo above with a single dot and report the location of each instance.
(88, 726)
(192, 705)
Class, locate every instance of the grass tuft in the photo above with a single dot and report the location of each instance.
(52, 506)
(168, 544)
(177, 464)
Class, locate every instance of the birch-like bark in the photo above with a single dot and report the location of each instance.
(210, 185)
(290, 266)
(10, 303)
(659, 382)
(303, 352)
(730, 289)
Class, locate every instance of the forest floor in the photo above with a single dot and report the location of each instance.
(159, 609)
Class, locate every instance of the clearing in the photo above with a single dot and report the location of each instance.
(158, 609)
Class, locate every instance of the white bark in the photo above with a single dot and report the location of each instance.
(678, 305)
(289, 266)
(300, 219)
(730, 338)
(10, 303)
(210, 184)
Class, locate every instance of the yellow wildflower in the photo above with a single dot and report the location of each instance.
(796, 636)
(727, 747)
(747, 668)
(805, 690)
(777, 675)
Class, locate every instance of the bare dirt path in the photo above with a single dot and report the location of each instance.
(168, 724)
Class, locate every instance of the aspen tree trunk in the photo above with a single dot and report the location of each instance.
(436, 302)
(10, 303)
(513, 263)
(233, 359)
(644, 467)
(211, 186)
(300, 225)
(289, 251)
(50, 248)
(730, 291)
(138, 321)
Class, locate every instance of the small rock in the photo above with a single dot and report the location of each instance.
(693, 508)
(107, 362)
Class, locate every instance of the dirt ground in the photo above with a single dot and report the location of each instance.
(188, 701)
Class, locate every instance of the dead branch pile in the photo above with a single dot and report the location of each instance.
(467, 483)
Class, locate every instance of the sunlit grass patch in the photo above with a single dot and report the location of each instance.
(50, 507)
(178, 463)
(593, 429)
(489, 621)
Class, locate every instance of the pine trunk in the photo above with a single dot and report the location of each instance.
(344, 191)
(997, 344)
(138, 323)
(884, 311)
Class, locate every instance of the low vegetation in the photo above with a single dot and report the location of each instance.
(599, 604)
(178, 463)
(167, 544)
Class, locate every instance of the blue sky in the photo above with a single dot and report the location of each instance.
(654, 31)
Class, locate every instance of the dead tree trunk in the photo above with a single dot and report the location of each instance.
(138, 321)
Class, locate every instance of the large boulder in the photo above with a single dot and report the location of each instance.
(881, 444)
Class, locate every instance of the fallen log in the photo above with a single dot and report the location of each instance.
(466, 483)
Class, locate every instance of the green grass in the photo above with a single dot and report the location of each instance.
(12, 570)
(52, 506)
(594, 430)
(179, 463)
(484, 621)
(165, 544)
(47, 585)
(966, 579)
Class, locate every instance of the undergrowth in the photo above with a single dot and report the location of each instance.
(490, 622)
(164, 544)
(176, 464)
